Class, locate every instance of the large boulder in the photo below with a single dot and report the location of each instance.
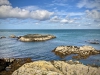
(37, 68)
(36, 37)
(82, 52)
(56, 68)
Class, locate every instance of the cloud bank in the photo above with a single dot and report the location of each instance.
(94, 14)
(4, 2)
(89, 4)
(7, 11)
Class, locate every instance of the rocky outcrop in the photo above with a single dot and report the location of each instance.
(35, 37)
(82, 52)
(12, 36)
(2, 37)
(56, 68)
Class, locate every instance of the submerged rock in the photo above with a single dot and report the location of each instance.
(82, 52)
(2, 37)
(93, 41)
(56, 68)
(36, 37)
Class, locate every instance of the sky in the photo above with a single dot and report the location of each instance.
(49, 14)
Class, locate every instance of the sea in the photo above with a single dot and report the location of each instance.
(13, 48)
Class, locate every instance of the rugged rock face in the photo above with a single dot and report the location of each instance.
(56, 68)
(36, 37)
(82, 52)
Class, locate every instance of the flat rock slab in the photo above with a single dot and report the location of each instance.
(56, 68)
(36, 37)
(82, 52)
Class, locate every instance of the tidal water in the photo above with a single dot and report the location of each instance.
(12, 48)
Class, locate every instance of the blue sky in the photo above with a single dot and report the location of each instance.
(49, 14)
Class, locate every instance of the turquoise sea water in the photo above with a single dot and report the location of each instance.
(11, 47)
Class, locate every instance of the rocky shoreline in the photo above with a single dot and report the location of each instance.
(25, 66)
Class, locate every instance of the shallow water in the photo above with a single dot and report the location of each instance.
(11, 47)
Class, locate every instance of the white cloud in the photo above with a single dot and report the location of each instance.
(4, 2)
(41, 14)
(10, 12)
(31, 8)
(65, 20)
(89, 4)
(63, 12)
(55, 19)
(94, 14)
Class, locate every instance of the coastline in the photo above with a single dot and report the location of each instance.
(14, 64)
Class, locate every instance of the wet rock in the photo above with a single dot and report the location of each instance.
(2, 64)
(5, 62)
(82, 52)
(11, 64)
(35, 37)
(56, 68)
(12, 36)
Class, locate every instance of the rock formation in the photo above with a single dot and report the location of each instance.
(2, 37)
(82, 52)
(56, 68)
(36, 37)
(12, 36)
